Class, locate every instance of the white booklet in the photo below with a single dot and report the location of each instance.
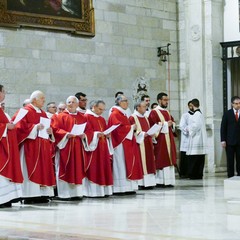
(165, 128)
(109, 130)
(154, 129)
(46, 123)
(21, 114)
(78, 129)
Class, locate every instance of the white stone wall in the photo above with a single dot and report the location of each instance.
(124, 49)
(200, 68)
(128, 33)
(231, 23)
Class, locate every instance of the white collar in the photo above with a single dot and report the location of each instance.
(138, 114)
(72, 113)
(83, 111)
(91, 113)
(121, 110)
(38, 110)
(160, 108)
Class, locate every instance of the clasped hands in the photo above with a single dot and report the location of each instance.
(40, 126)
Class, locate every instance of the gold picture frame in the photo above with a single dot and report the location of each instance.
(72, 16)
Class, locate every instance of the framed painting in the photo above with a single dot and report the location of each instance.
(73, 16)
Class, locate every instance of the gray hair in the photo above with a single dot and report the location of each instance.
(26, 102)
(75, 98)
(35, 95)
(138, 104)
(96, 103)
(119, 99)
(50, 103)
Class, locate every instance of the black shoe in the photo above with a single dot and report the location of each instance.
(160, 186)
(35, 200)
(6, 205)
(130, 193)
(61, 199)
(76, 198)
(16, 200)
(124, 193)
(145, 188)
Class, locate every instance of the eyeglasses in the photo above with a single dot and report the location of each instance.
(124, 100)
(53, 107)
(83, 100)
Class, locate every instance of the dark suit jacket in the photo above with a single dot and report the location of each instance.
(230, 128)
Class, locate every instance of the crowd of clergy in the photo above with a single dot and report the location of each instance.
(69, 152)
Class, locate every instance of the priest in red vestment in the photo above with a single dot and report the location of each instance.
(127, 167)
(164, 149)
(98, 166)
(70, 155)
(35, 152)
(10, 168)
(145, 144)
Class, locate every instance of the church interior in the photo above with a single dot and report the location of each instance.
(186, 48)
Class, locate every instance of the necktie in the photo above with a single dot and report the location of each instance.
(236, 115)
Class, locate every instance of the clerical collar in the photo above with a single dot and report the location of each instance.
(75, 113)
(191, 112)
(161, 108)
(197, 110)
(83, 111)
(90, 112)
(138, 114)
(121, 110)
(38, 110)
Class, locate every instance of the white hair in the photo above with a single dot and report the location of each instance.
(26, 101)
(70, 97)
(35, 95)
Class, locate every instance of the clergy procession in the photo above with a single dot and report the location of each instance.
(70, 152)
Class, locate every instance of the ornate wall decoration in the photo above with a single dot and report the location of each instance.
(195, 32)
(140, 88)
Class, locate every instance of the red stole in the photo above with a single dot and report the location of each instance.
(10, 160)
(131, 151)
(147, 155)
(38, 152)
(72, 156)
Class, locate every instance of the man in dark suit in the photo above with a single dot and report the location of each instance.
(230, 136)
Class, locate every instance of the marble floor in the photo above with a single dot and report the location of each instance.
(193, 210)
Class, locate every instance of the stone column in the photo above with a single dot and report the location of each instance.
(200, 26)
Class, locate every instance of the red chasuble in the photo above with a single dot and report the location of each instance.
(37, 151)
(146, 147)
(131, 151)
(165, 149)
(72, 156)
(98, 166)
(9, 154)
